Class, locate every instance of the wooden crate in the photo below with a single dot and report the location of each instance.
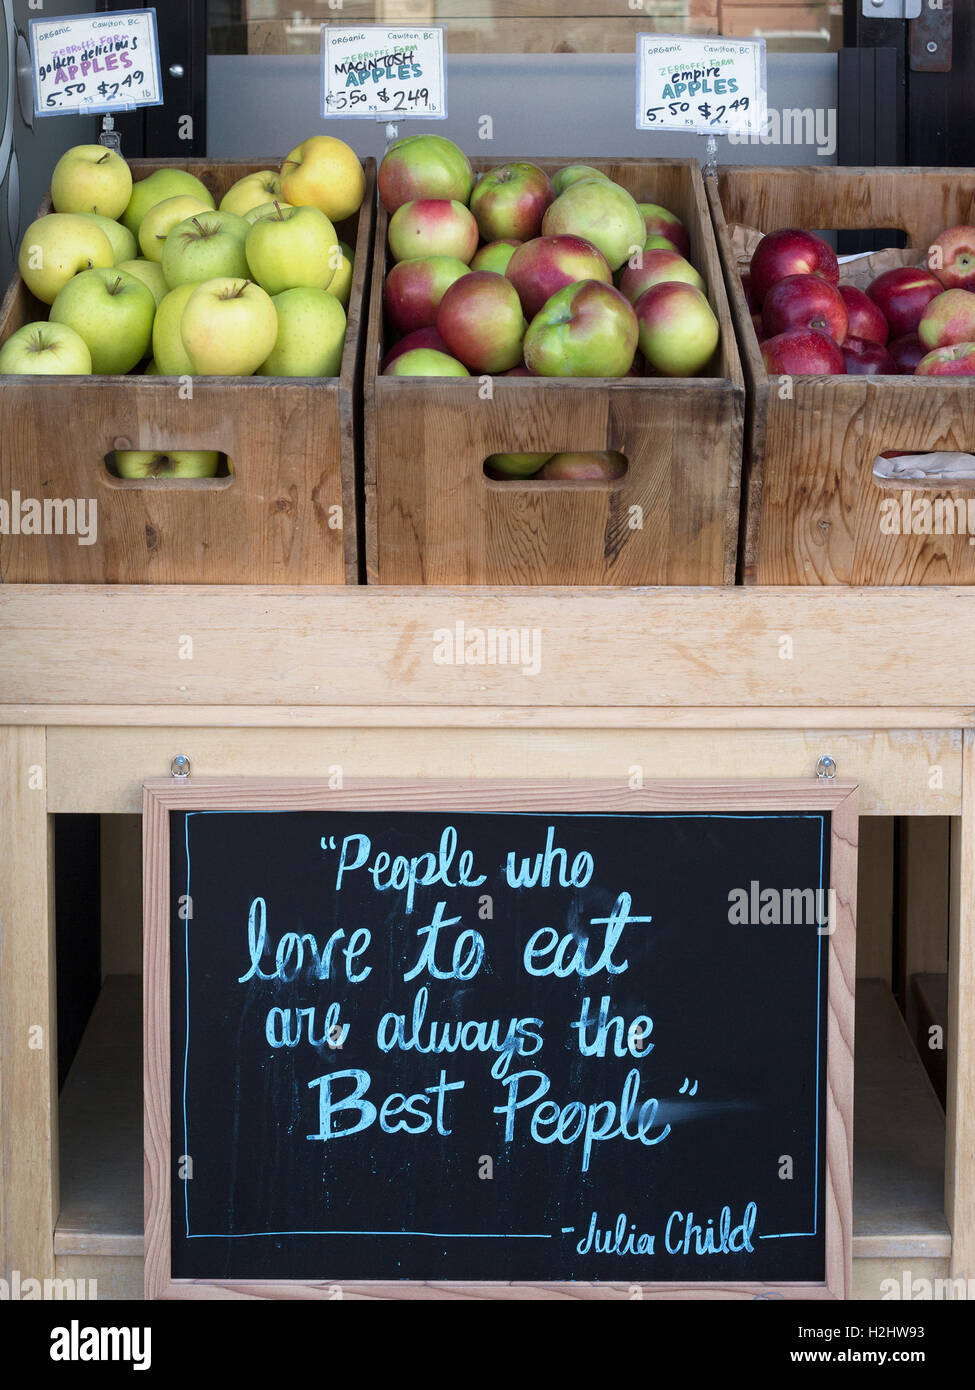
(433, 517)
(815, 513)
(292, 442)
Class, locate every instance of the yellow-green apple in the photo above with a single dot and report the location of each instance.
(902, 295)
(956, 360)
(150, 273)
(496, 256)
(324, 173)
(573, 173)
(204, 247)
(678, 329)
(804, 301)
(45, 349)
(547, 264)
(791, 251)
(176, 463)
(170, 355)
(123, 242)
(229, 327)
(514, 465)
(661, 222)
(426, 362)
(424, 166)
(906, 352)
(432, 227)
(159, 187)
(481, 321)
(656, 268)
(866, 358)
(266, 210)
(293, 249)
(252, 191)
(585, 330)
(948, 319)
(341, 283)
(658, 243)
(113, 312)
(311, 335)
(58, 246)
(90, 178)
(160, 220)
(510, 201)
(414, 289)
(866, 320)
(422, 338)
(602, 213)
(575, 467)
(803, 352)
(952, 258)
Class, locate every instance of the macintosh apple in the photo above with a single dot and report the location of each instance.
(585, 330)
(510, 201)
(424, 166)
(957, 360)
(576, 467)
(421, 338)
(602, 213)
(495, 256)
(661, 222)
(432, 227)
(414, 289)
(426, 362)
(514, 465)
(548, 264)
(481, 321)
(678, 329)
(573, 173)
(659, 267)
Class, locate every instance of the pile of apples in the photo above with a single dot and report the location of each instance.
(910, 321)
(151, 277)
(519, 274)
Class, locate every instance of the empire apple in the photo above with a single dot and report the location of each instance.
(160, 220)
(481, 321)
(548, 264)
(324, 173)
(957, 360)
(791, 251)
(252, 191)
(906, 353)
(414, 289)
(866, 319)
(113, 312)
(678, 330)
(176, 463)
(168, 351)
(45, 349)
(952, 258)
(295, 248)
(432, 227)
(205, 246)
(657, 268)
(948, 319)
(426, 362)
(496, 256)
(91, 178)
(424, 166)
(804, 301)
(510, 201)
(903, 294)
(229, 327)
(59, 246)
(158, 188)
(662, 222)
(585, 330)
(602, 213)
(803, 352)
(311, 335)
(866, 358)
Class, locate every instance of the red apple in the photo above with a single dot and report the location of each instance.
(948, 319)
(791, 251)
(658, 268)
(906, 353)
(432, 227)
(481, 322)
(803, 352)
(510, 202)
(865, 358)
(804, 301)
(957, 360)
(866, 320)
(903, 295)
(661, 222)
(495, 256)
(422, 338)
(952, 258)
(757, 325)
(547, 264)
(597, 467)
(520, 371)
(586, 330)
(414, 290)
(751, 298)
(424, 166)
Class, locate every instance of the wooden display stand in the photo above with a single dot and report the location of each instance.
(94, 698)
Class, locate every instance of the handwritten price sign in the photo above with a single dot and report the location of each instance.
(84, 64)
(708, 86)
(382, 73)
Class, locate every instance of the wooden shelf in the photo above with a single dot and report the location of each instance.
(899, 1135)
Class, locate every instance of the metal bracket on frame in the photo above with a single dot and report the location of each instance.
(891, 9)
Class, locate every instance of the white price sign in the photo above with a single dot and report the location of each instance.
(88, 63)
(383, 74)
(708, 86)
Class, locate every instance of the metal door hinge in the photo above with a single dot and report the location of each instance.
(891, 9)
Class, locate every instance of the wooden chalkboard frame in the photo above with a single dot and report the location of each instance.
(160, 796)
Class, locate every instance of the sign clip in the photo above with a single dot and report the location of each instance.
(180, 767)
(826, 768)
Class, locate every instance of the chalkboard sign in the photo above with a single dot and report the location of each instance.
(477, 1033)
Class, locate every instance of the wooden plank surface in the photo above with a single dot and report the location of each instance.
(101, 1130)
(960, 1144)
(28, 1012)
(103, 770)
